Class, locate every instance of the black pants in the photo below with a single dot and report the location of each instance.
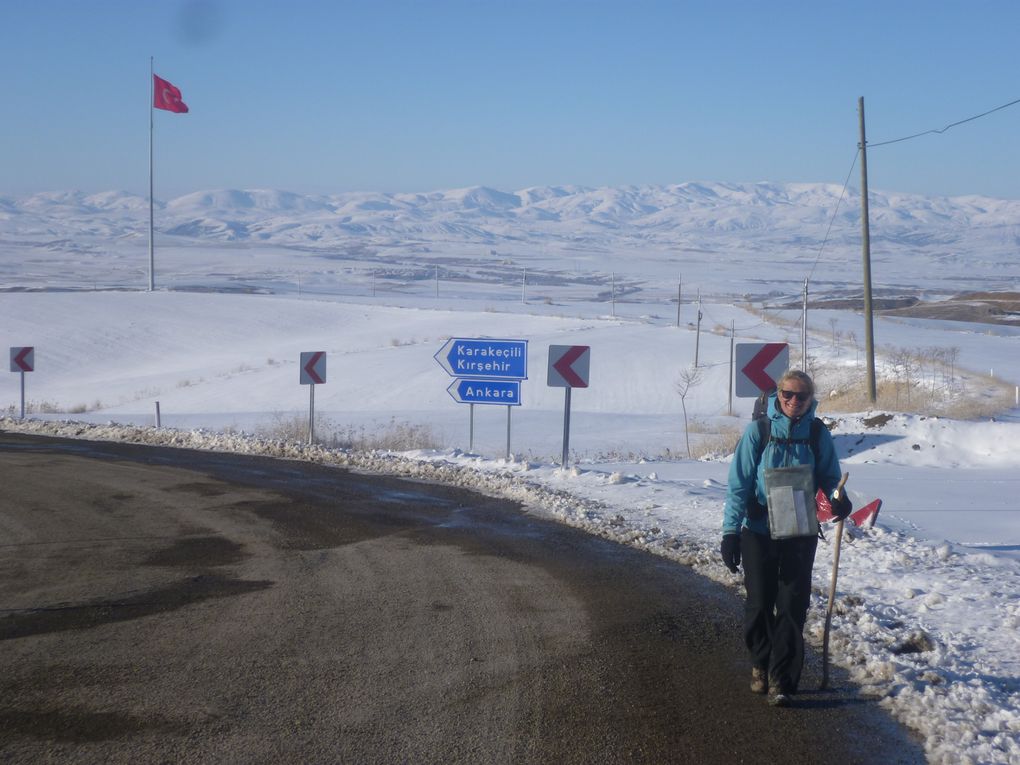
(777, 577)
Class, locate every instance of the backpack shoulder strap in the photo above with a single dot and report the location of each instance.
(815, 437)
(765, 435)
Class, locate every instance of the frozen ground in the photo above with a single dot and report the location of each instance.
(928, 610)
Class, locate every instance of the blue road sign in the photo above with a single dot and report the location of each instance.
(481, 358)
(505, 392)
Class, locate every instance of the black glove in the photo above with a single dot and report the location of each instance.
(841, 506)
(730, 550)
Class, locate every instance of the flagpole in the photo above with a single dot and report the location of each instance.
(152, 258)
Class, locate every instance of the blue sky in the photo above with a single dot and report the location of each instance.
(322, 97)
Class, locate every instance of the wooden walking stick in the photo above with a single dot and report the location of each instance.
(832, 587)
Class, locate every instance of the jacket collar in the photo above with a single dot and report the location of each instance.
(775, 413)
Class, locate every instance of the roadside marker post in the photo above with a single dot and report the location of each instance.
(22, 360)
(568, 368)
(759, 367)
(313, 370)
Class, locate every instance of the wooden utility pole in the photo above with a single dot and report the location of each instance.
(869, 332)
(697, 336)
(803, 331)
(733, 336)
(679, 294)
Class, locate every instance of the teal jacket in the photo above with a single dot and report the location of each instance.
(747, 472)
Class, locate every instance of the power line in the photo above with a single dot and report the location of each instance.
(834, 213)
(709, 316)
(943, 130)
(853, 164)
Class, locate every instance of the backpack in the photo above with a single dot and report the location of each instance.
(765, 436)
(760, 415)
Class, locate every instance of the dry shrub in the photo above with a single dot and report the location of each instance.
(855, 399)
(994, 401)
(697, 425)
(981, 398)
(50, 407)
(394, 436)
(293, 427)
(716, 444)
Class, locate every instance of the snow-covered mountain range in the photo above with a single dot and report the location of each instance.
(647, 230)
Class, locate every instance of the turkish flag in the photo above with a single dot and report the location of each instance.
(166, 96)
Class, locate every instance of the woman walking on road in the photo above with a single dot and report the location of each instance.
(770, 525)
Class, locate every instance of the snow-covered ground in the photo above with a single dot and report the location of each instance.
(928, 609)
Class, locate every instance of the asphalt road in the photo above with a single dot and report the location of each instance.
(161, 605)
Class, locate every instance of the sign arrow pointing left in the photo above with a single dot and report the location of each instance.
(313, 367)
(468, 391)
(568, 366)
(23, 359)
(481, 357)
(759, 366)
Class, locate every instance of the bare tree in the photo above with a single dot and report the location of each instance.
(689, 378)
(852, 337)
(952, 356)
(904, 364)
(931, 355)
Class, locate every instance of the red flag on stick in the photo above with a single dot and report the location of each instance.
(166, 96)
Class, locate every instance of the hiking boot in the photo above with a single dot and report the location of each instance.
(759, 682)
(777, 695)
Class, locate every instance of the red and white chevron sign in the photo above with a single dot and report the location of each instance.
(759, 366)
(313, 367)
(568, 366)
(23, 359)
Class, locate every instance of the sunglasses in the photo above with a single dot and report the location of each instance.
(801, 396)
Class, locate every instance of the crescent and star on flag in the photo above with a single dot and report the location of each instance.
(166, 96)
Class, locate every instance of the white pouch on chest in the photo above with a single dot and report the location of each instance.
(790, 492)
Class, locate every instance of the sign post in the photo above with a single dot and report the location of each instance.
(23, 360)
(313, 370)
(568, 368)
